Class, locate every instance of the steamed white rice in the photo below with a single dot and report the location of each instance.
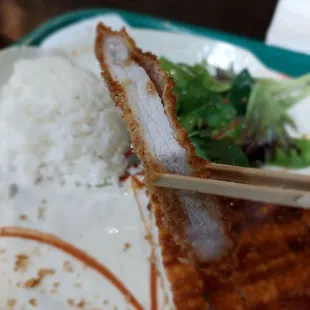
(58, 122)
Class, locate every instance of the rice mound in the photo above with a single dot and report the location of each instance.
(58, 121)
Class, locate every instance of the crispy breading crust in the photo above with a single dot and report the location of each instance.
(173, 211)
(270, 267)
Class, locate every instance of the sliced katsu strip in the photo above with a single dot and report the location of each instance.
(144, 93)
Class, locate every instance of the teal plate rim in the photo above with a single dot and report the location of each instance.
(281, 60)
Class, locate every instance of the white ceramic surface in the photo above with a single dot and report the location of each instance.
(107, 223)
(99, 221)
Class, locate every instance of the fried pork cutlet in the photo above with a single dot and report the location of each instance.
(248, 255)
(144, 93)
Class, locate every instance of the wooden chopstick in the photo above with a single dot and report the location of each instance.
(259, 177)
(245, 183)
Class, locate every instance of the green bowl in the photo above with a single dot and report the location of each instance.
(285, 61)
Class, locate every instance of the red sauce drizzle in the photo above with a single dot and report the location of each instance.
(136, 185)
(45, 238)
(30, 234)
(153, 280)
(124, 177)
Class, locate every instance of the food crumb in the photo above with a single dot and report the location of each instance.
(11, 302)
(23, 217)
(127, 82)
(32, 302)
(126, 247)
(38, 180)
(105, 302)
(56, 284)
(21, 262)
(44, 201)
(70, 302)
(67, 266)
(148, 237)
(31, 283)
(41, 213)
(4, 259)
(13, 190)
(2, 251)
(43, 272)
(77, 285)
(151, 89)
(81, 303)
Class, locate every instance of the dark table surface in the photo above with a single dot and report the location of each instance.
(242, 17)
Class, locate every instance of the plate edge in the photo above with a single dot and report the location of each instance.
(281, 60)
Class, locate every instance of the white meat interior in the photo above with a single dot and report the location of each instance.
(204, 230)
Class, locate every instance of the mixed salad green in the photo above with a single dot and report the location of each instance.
(238, 119)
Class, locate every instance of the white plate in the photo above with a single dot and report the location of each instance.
(87, 218)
